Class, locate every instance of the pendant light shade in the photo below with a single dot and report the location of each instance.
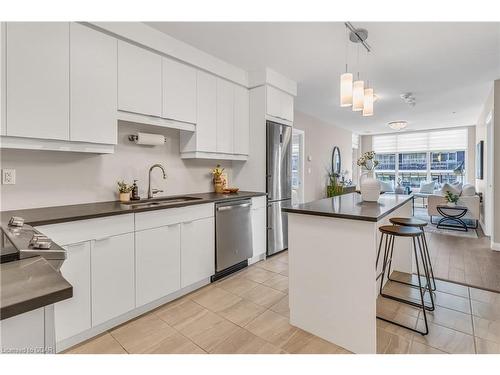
(346, 90)
(368, 103)
(358, 95)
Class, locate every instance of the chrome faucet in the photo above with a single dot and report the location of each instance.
(152, 192)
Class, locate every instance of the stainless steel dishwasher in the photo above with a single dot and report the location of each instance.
(233, 236)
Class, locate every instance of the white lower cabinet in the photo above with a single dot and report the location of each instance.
(73, 315)
(197, 250)
(259, 226)
(113, 286)
(157, 263)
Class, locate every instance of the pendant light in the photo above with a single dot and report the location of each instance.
(358, 95)
(368, 103)
(355, 93)
(346, 89)
(346, 80)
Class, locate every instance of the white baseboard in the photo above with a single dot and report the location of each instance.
(257, 258)
(495, 246)
(94, 331)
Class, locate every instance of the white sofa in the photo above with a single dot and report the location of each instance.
(467, 198)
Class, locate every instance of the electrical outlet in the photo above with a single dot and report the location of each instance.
(8, 176)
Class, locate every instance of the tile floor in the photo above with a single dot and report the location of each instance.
(248, 313)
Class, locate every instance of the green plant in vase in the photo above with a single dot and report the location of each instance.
(334, 188)
(451, 198)
(124, 190)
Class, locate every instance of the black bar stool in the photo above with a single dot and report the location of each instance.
(416, 223)
(390, 232)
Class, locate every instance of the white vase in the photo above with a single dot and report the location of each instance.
(370, 187)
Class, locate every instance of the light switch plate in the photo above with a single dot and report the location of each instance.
(8, 176)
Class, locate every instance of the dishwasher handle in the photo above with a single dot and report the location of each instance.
(226, 208)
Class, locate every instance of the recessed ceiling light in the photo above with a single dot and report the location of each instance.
(398, 125)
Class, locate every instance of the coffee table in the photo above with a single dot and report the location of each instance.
(452, 217)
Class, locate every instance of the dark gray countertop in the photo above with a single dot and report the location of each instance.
(29, 284)
(350, 206)
(60, 214)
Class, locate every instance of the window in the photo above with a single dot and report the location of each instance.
(385, 176)
(447, 161)
(413, 161)
(387, 162)
(412, 179)
(421, 156)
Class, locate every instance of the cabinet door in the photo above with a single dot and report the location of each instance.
(279, 104)
(157, 263)
(225, 116)
(113, 284)
(287, 106)
(259, 231)
(73, 315)
(241, 120)
(93, 86)
(197, 250)
(179, 91)
(139, 80)
(206, 125)
(273, 102)
(38, 79)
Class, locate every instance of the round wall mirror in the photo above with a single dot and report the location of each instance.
(336, 161)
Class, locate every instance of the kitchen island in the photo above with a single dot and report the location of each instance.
(332, 245)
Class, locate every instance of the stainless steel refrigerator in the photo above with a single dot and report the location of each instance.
(278, 185)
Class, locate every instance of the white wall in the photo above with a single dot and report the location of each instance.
(481, 136)
(320, 138)
(50, 178)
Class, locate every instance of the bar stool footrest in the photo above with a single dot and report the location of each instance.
(402, 300)
(403, 326)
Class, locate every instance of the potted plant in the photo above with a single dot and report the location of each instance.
(334, 187)
(219, 183)
(451, 199)
(369, 186)
(124, 191)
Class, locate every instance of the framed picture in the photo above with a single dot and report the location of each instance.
(479, 160)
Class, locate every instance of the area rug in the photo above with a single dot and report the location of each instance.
(421, 213)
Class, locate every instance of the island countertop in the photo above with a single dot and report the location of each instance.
(350, 206)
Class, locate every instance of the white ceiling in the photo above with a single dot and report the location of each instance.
(449, 67)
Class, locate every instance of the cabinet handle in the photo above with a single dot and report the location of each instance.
(188, 222)
(102, 239)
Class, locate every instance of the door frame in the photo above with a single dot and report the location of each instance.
(301, 134)
(489, 186)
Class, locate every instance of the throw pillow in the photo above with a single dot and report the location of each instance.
(457, 185)
(386, 187)
(468, 190)
(427, 187)
(447, 187)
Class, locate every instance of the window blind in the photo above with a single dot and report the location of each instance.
(438, 140)
(355, 141)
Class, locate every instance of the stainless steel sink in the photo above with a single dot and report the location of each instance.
(160, 201)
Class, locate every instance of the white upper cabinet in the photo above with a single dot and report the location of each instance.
(139, 80)
(279, 104)
(241, 120)
(179, 91)
(225, 116)
(93, 77)
(206, 126)
(37, 63)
